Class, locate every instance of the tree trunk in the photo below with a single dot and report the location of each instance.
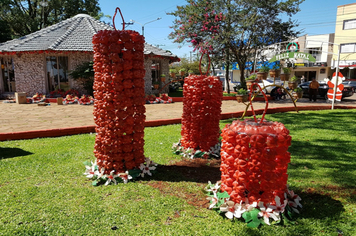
(242, 76)
(227, 76)
(227, 70)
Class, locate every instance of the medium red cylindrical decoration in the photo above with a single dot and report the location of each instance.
(254, 160)
(119, 111)
(201, 112)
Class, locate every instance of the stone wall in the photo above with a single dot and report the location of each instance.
(165, 70)
(30, 73)
(148, 80)
(148, 76)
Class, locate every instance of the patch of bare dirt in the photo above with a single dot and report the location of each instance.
(199, 171)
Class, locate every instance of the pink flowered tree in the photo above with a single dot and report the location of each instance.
(233, 30)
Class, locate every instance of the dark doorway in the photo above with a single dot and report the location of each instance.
(311, 75)
(8, 75)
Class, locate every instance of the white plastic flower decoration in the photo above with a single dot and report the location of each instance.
(150, 162)
(239, 209)
(188, 153)
(295, 198)
(213, 188)
(100, 173)
(90, 171)
(125, 176)
(146, 168)
(175, 145)
(248, 206)
(111, 178)
(229, 209)
(278, 207)
(215, 150)
(214, 200)
(267, 213)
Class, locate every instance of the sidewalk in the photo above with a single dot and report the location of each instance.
(31, 117)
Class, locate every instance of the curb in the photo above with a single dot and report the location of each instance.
(180, 99)
(154, 123)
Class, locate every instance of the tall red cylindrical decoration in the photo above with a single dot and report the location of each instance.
(254, 160)
(119, 111)
(201, 112)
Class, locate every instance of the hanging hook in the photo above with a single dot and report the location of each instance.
(122, 17)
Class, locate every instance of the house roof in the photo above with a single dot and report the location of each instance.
(73, 34)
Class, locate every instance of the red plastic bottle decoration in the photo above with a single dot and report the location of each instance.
(119, 110)
(254, 160)
(201, 112)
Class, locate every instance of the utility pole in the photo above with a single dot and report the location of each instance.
(143, 25)
(127, 23)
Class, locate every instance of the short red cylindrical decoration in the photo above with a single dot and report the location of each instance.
(254, 160)
(201, 112)
(119, 111)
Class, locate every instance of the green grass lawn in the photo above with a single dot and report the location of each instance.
(43, 190)
(229, 94)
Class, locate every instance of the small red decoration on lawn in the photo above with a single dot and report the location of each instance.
(151, 99)
(119, 111)
(38, 97)
(165, 98)
(70, 99)
(86, 100)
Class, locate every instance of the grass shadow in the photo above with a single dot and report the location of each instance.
(315, 205)
(198, 170)
(327, 157)
(12, 152)
(319, 206)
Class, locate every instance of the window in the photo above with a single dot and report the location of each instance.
(316, 53)
(349, 24)
(57, 73)
(156, 70)
(348, 48)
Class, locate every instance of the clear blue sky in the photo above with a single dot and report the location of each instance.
(315, 17)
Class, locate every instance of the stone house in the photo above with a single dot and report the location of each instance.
(41, 61)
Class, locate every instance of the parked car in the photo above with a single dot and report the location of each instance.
(266, 84)
(174, 86)
(351, 83)
(263, 84)
(237, 86)
(323, 90)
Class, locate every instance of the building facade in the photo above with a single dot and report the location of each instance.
(345, 36)
(321, 48)
(41, 62)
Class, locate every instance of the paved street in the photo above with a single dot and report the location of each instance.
(25, 117)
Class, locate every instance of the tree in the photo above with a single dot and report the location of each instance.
(5, 33)
(84, 74)
(25, 17)
(232, 30)
(188, 65)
